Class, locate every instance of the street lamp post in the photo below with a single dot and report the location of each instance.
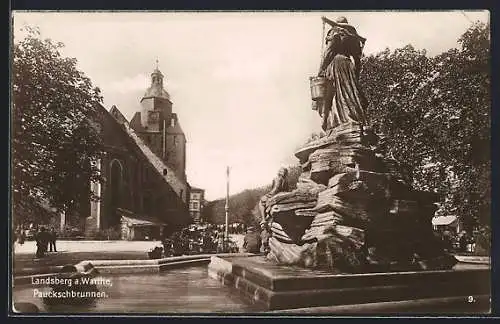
(226, 234)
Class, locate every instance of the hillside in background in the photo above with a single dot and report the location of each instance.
(243, 205)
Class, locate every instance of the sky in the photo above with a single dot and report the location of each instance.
(239, 81)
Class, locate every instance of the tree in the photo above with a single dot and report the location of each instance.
(462, 90)
(243, 205)
(435, 114)
(53, 138)
(240, 207)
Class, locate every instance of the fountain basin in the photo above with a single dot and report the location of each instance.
(276, 287)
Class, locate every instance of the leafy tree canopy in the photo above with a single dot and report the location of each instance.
(435, 114)
(53, 140)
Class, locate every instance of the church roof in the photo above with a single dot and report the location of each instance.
(156, 92)
(115, 112)
(176, 129)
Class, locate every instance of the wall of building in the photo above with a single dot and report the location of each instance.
(176, 153)
(196, 204)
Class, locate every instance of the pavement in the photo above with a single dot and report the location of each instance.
(72, 252)
(29, 247)
(473, 259)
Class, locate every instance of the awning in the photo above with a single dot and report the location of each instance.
(134, 220)
(137, 222)
(444, 220)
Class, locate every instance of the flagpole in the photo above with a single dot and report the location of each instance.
(227, 204)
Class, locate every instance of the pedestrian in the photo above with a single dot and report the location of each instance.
(176, 244)
(206, 242)
(185, 246)
(447, 240)
(53, 238)
(42, 241)
(15, 237)
(220, 242)
(463, 241)
(252, 241)
(21, 237)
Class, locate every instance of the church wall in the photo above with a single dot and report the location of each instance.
(142, 189)
(146, 105)
(176, 147)
(164, 106)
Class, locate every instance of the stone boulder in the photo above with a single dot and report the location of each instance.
(321, 224)
(326, 163)
(291, 254)
(340, 248)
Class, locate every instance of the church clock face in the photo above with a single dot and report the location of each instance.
(153, 117)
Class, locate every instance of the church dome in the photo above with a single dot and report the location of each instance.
(156, 92)
(156, 89)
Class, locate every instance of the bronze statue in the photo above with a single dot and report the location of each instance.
(344, 101)
(280, 184)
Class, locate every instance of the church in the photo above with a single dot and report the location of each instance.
(145, 193)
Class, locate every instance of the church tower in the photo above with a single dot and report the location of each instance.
(159, 126)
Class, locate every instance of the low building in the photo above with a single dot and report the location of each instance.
(448, 222)
(141, 227)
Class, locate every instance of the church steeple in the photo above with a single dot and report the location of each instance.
(156, 89)
(159, 127)
(157, 77)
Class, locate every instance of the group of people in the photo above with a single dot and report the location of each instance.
(45, 241)
(184, 242)
(214, 240)
(456, 242)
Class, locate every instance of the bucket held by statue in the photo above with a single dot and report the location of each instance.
(318, 87)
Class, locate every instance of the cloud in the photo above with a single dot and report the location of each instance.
(128, 84)
(246, 69)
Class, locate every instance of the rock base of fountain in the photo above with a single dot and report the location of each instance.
(354, 210)
(275, 287)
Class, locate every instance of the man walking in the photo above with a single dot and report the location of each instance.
(42, 241)
(220, 242)
(52, 241)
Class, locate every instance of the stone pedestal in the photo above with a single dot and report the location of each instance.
(91, 226)
(275, 287)
(62, 222)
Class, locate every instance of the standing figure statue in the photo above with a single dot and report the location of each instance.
(344, 101)
(280, 184)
